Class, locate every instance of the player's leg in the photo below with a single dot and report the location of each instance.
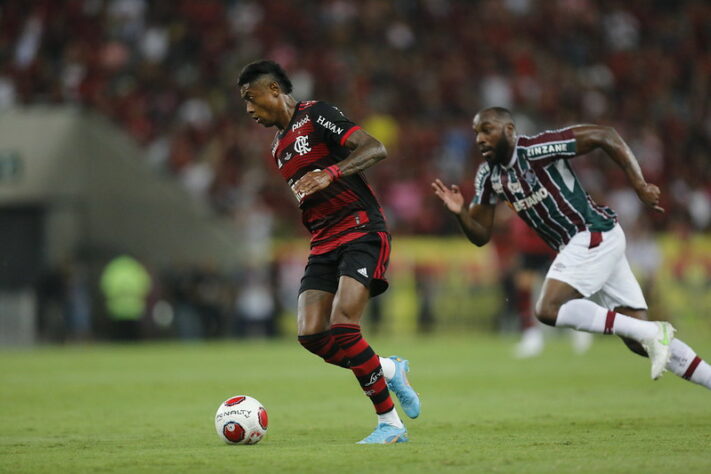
(686, 364)
(348, 306)
(318, 287)
(531, 342)
(622, 293)
(631, 344)
(314, 327)
(586, 266)
(683, 361)
(366, 260)
(559, 307)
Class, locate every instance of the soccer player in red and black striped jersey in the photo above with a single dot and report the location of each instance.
(589, 286)
(321, 155)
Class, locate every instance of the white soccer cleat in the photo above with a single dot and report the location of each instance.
(530, 345)
(658, 348)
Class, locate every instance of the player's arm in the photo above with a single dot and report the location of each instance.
(476, 220)
(365, 152)
(591, 137)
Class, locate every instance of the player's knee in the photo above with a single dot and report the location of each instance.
(310, 326)
(308, 330)
(342, 315)
(547, 311)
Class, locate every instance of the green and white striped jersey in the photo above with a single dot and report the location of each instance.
(542, 188)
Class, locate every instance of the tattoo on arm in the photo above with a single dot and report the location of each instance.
(366, 151)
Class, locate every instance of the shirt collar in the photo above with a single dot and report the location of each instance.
(512, 160)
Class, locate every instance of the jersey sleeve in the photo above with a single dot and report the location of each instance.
(483, 190)
(335, 126)
(550, 145)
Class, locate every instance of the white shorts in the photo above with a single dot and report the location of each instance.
(600, 273)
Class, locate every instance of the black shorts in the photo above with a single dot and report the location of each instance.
(364, 259)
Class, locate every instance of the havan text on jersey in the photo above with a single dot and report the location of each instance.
(321, 120)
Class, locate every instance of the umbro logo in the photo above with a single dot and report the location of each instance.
(363, 272)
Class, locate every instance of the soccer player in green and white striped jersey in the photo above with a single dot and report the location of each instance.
(589, 286)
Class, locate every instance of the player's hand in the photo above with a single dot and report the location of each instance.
(649, 194)
(312, 182)
(451, 197)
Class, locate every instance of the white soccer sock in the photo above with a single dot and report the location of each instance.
(584, 315)
(686, 364)
(391, 418)
(388, 366)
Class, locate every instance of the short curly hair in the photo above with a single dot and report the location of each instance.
(257, 69)
(499, 112)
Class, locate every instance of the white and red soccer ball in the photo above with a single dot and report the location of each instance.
(241, 420)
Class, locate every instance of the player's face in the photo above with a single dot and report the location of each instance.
(493, 137)
(262, 98)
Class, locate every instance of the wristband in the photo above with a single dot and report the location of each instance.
(334, 171)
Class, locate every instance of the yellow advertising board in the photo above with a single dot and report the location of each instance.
(450, 284)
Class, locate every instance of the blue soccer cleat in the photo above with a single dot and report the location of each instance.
(409, 400)
(385, 434)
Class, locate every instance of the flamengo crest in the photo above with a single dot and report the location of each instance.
(301, 145)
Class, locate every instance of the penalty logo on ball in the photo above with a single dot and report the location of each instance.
(241, 420)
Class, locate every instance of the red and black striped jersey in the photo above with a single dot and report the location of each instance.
(314, 140)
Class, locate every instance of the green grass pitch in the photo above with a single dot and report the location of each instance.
(150, 407)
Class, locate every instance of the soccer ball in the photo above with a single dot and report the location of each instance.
(241, 420)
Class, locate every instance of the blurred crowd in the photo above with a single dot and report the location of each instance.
(125, 299)
(411, 72)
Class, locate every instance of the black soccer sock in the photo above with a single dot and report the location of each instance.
(365, 364)
(324, 345)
